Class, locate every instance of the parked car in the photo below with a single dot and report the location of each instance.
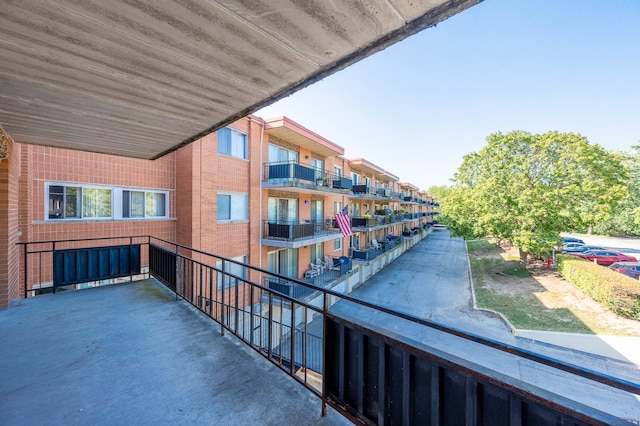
(604, 257)
(630, 269)
(571, 247)
(584, 248)
(566, 240)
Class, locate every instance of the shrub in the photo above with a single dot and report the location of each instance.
(617, 292)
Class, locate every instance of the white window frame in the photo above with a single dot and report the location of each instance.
(337, 207)
(117, 194)
(81, 216)
(233, 147)
(120, 196)
(234, 207)
(337, 244)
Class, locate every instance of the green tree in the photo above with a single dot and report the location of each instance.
(527, 188)
(439, 192)
(625, 219)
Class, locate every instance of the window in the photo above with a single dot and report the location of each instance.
(283, 262)
(355, 241)
(337, 170)
(337, 244)
(282, 210)
(64, 202)
(355, 178)
(143, 204)
(233, 143)
(77, 202)
(355, 210)
(231, 268)
(318, 167)
(317, 211)
(73, 201)
(232, 207)
(155, 205)
(278, 154)
(337, 207)
(317, 252)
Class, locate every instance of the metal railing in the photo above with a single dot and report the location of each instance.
(367, 373)
(78, 263)
(293, 230)
(283, 171)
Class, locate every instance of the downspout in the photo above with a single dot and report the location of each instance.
(261, 121)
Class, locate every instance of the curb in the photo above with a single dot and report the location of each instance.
(513, 330)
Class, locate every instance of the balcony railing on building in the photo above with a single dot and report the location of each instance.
(374, 221)
(372, 192)
(296, 230)
(396, 196)
(376, 248)
(293, 172)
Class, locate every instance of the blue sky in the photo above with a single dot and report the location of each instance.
(416, 108)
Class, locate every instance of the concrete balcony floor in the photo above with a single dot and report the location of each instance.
(132, 354)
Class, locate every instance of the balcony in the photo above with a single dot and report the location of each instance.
(395, 196)
(302, 177)
(298, 234)
(369, 192)
(112, 361)
(371, 253)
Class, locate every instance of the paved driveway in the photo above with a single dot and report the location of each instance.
(431, 281)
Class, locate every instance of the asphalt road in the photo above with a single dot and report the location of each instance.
(431, 281)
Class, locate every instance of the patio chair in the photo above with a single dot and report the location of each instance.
(376, 245)
(329, 264)
(313, 272)
(320, 264)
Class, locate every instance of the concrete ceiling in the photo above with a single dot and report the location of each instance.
(141, 78)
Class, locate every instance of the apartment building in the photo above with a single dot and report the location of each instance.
(262, 192)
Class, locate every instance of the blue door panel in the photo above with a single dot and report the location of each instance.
(75, 266)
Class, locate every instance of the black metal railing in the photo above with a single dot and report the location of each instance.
(368, 190)
(367, 373)
(363, 189)
(293, 230)
(283, 171)
(83, 262)
(287, 287)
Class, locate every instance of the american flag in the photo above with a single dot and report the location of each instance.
(342, 217)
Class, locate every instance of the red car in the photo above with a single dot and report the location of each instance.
(605, 257)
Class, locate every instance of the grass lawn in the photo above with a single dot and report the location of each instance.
(502, 284)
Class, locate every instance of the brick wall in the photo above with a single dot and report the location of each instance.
(55, 164)
(9, 252)
(37, 165)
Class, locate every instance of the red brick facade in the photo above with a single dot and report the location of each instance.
(194, 178)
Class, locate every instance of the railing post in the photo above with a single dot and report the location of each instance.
(269, 325)
(53, 252)
(325, 303)
(223, 309)
(130, 269)
(26, 269)
(293, 339)
(237, 317)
